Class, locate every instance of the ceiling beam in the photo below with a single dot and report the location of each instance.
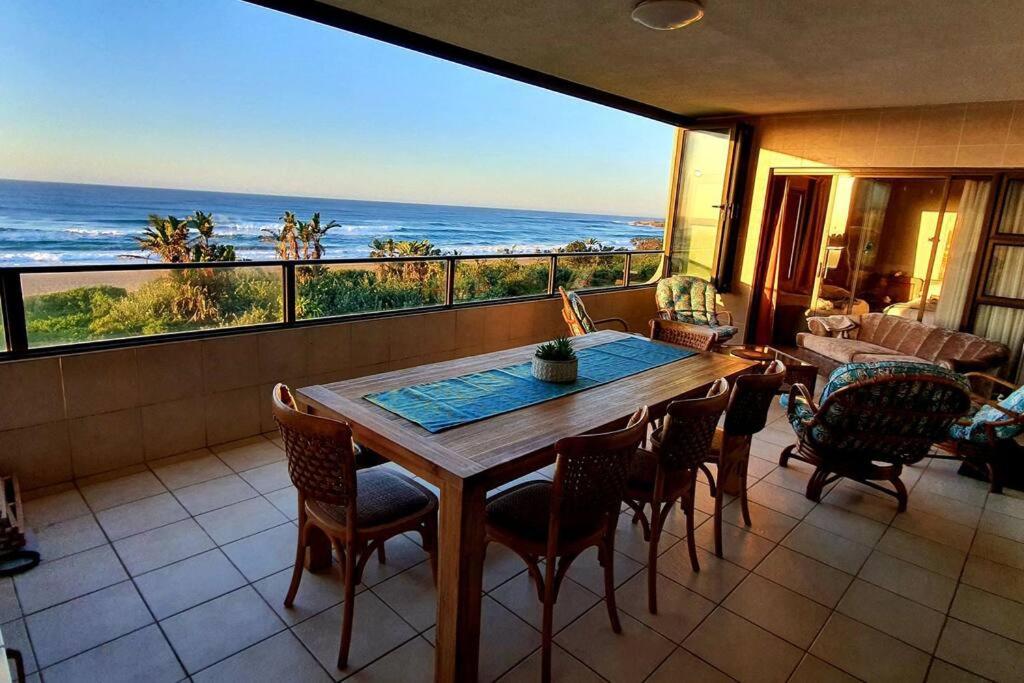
(378, 30)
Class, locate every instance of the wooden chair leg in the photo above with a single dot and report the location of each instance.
(429, 536)
(711, 478)
(19, 664)
(816, 484)
(547, 620)
(744, 507)
(609, 579)
(691, 543)
(652, 558)
(786, 454)
(718, 522)
(901, 493)
(382, 556)
(300, 561)
(348, 608)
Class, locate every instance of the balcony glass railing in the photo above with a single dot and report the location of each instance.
(50, 309)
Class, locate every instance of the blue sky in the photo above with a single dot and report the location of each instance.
(224, 95)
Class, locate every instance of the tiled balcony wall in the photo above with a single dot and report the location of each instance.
(979, 135)
(75, 416)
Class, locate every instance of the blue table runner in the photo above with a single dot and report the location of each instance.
(448, 403)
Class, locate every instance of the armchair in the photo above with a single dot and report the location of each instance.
(691, 300)
(873, 419)
(576, 317)
(987, 440)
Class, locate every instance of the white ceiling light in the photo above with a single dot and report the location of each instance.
(665, 15)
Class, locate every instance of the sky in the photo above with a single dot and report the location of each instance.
(224, 95)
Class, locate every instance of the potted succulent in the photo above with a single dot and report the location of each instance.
(555, 361)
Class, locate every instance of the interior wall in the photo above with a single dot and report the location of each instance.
(980, 135)
(78, 415)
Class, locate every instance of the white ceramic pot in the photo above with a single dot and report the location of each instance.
(559, 371)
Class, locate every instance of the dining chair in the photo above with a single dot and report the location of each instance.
(556, 521)
(668, 472)
(694, 337)
(357, 510)
(575, 315)
(746, 414)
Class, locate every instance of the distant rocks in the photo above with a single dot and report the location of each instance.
(648, 224)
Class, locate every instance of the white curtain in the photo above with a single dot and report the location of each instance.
(963, 246)
(1012, 219)
(1006, 325)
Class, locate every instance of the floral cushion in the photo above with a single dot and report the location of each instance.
(975, 430)
(723, 332)
(580, 311)
(691, 299)
(926, 388)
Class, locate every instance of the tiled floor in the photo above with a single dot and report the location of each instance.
(180, 571)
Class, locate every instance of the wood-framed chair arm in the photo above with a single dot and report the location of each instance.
(727, 314)
(617, 321)
(986, 377)
(801, 391)
(665, 314)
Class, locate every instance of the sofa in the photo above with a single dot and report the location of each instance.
(838, 339)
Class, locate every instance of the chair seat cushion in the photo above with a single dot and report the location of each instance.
(383, 496)
(839, 349)
(976, 432)
(723, 332)
(524, 511)
(640, 477)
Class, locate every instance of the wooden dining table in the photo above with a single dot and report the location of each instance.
(466, 461)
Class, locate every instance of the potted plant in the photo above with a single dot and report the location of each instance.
(555, 361)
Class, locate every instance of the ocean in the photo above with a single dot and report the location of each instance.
(50, 223)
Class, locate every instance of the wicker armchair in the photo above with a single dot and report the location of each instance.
(668, 472)
(683, 334)
(353, 512)
(873, 419)
(555, 521)
(576, 317)
(987, 440)
(689, 299)
(746, 415)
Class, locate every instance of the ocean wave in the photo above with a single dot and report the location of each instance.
(94, 232)
(31, 256)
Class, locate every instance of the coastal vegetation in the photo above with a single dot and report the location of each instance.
(207, 296)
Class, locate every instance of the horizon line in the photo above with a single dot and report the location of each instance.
(344, 199)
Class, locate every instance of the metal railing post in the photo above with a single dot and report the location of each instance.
(288, 288)
(449, 282)
(628, 268)
(15, 331)
(552, 270)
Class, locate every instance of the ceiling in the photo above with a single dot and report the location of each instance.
(745, 56)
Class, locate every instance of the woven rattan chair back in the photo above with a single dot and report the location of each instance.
(688, 429)
(890, 418)
(591, 471)
(751, 397)
(682, 334)
(321, 463)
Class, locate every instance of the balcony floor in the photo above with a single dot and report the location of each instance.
(180, 571)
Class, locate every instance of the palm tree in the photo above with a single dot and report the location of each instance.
(284, 240)
(315, 232)
(166, 238)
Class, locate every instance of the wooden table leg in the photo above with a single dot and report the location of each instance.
(459, 582)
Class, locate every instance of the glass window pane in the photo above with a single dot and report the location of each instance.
(502, 278)
(590, 272)
(644, 268)
(1004, 324)
(958, 245)
(702, 170)
(345, 289)
(65, 308)
(1006, 273)
(1012, 218)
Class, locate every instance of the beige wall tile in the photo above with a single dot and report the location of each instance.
(1013, 155)
(173, 427)
(230, 362)
(822, 130)
(32, 393)
(902, 155)
(860, 129)
(328, 347)
(369, 344)
(1016, 132)
(282, 353)
(417, 335)
(232, 415)
(170, 371)
(935, 155)
(39, 455)
(100, 382)
(855, 156)
(106, 442)
(941, 125)
(980, 155)
(987, 123)
(898, 127)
